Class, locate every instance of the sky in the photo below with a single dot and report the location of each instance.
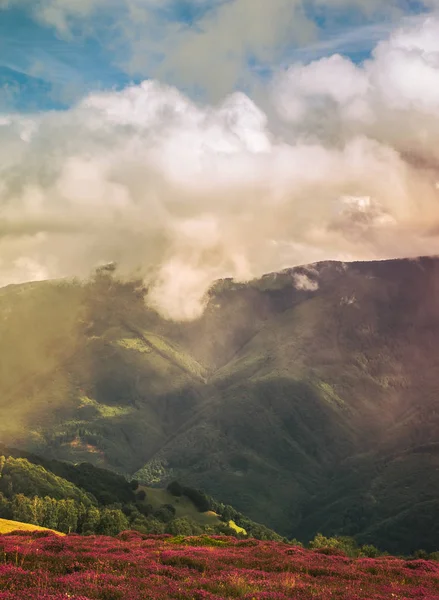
(53, 52)
(189, 140)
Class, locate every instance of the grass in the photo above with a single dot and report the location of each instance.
(134, 344)
(7, 526)
(108, 412)
(176, 355)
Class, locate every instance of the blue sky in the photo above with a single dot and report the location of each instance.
(50, 59)
(39, 69)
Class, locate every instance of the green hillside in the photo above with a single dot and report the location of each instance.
(86, 499)
(304, 408)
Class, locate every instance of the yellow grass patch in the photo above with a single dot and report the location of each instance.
(237, 528)
(10, 526)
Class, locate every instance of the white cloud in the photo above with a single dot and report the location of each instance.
(305, 84)
(391, 98)
(303, 282)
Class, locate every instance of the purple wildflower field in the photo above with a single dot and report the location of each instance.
(137, 567)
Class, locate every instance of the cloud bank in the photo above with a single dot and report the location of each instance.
(184, 193)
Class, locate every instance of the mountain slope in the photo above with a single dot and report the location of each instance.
(301, 398)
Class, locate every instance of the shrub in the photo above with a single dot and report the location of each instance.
(165, 513)
(338, 544)
(369, 551)
(112, 522)
(183, 526)
(141, 495)
(198, 498)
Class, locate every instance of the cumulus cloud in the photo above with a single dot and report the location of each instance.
(401, 76)
(214, 54)
(184, 193)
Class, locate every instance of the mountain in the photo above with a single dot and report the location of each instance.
(308, 398)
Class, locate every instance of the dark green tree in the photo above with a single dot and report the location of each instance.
(183, 526)
(90, 523)
(165, 513)
(50, 518)
(175, 489)
(141, 495)
(67, 516)
(5, 507)
(154, 526)
(22, 509)
(198, 498)
(112, 522)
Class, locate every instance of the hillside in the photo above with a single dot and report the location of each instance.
(307, 399)
(50, 494)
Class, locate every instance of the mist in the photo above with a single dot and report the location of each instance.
(340, 162)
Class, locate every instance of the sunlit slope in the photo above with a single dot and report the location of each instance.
(10, 526)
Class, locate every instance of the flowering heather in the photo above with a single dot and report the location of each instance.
(136, 567)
